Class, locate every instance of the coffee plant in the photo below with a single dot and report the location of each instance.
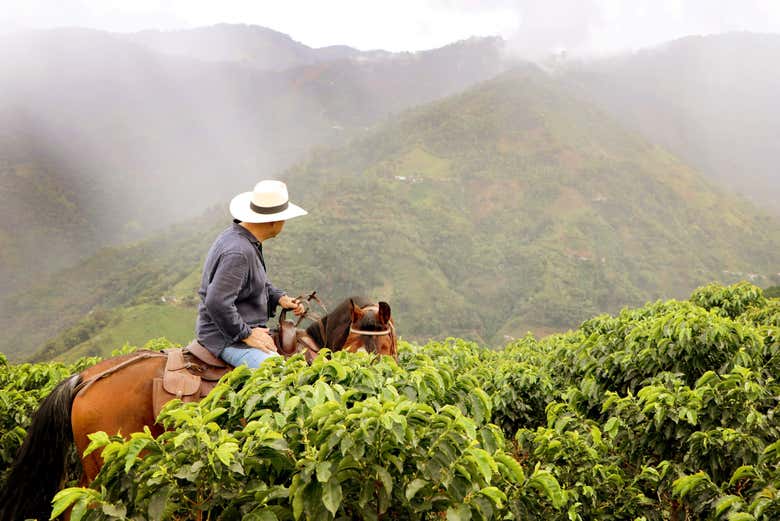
(22, 388)
(665, 412)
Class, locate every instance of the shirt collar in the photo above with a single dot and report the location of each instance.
(246, 233)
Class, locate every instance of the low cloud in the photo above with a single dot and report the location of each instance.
(532, 27)
(587, 27)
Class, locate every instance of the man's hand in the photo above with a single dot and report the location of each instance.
(260, 339)
(290, 303)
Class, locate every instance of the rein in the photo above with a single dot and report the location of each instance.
(308, 313)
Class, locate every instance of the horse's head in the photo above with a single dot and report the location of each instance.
(357, 324)
(371, 330)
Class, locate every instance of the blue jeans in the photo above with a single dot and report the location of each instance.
(248, 356)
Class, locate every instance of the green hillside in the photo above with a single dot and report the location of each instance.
(515, 207)
(72, 306)
(117, 141)
(509, 208)
(135, 325)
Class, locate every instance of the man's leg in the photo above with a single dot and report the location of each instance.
(248, 356)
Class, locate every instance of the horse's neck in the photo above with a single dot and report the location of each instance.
(323, 333)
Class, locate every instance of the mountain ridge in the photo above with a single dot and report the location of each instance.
(251, 45)
(510, 207)
(121, 125)
(266, 49)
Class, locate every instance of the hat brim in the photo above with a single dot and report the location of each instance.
(240, 209)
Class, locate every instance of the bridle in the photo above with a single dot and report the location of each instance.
(385, 332)
(389, 331)
(312, 349)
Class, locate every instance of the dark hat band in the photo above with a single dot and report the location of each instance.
(268, 209)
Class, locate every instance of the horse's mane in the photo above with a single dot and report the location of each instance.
(336, 324)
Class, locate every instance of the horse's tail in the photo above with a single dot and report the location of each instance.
(38, 470)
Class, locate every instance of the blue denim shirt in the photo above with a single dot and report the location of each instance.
(235, 293)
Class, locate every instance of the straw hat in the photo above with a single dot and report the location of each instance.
(267, 203)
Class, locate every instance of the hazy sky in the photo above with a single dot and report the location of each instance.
(531, 25)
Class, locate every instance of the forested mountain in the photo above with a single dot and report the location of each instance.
(126, 140)
(514, 206)
(250, 45)
(713, 100)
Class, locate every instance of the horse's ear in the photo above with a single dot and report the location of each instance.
(357, 313)
(384, 313)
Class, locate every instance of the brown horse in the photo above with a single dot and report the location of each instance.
(115, 396)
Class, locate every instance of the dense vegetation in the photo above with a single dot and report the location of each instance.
(23, 387)
(667, 411)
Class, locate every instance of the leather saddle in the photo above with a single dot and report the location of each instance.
(192, 372)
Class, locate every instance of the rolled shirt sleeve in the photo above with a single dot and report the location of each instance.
(229, 277)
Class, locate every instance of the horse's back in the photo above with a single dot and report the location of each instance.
(120, 402)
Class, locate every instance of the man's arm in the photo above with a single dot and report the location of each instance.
(274, 296)
(221, 293)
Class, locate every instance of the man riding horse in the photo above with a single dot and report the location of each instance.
(122, 394)
(236, 297)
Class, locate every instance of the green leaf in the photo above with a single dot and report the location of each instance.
(484, 462)
(386, 479)
(263, 515)
(595, 433)
(611, 427)
(740, 516)
(513, 468)
(414, 487)
(136, 446)
(480, 405)
(79, 510)
(331, 495)
(494, 494)
(459, 513)
(682, 486)
(181, 438)
(225, 452)
(97, 440)
(189, 472)
(725, 502)
(324, 471)
(157, 503)
(237, 468)
(114, 510)
(214, 414)
(543, 481)
(67, 497)
(291, 404)
(743, 472)
(297, 501)
(250, 405)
